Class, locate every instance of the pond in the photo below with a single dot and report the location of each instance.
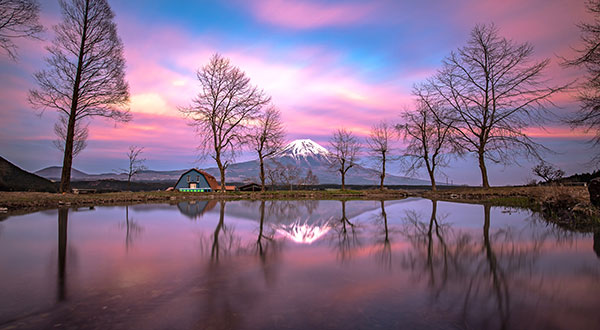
(411, 264)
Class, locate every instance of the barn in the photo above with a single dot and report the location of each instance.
(196, 180)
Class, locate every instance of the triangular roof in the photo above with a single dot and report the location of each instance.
(212, 182)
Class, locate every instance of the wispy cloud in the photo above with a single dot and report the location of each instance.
(306, 14)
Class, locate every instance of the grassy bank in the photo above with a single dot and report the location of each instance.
(566, 206)
(29, 201)
(527, 197)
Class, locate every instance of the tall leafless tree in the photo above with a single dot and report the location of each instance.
(18, 19)
(344, 148)
(79, 138)
(223, 111)
(86, 72)
(266, 138)
(588, 57)
(136, 163)
(426, 132)
(378, 145)
(494, 90)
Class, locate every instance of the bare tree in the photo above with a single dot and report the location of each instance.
(378, 145)
(494, 91)
(588, 57)
(223, 110)
(266, 138)
(289, 175)
(273, 174)
(548, 172)
(86, 72)
(426, 132)
(79, 138)
(344, 148)
(310, 179)
(136, 163)
(18, 19)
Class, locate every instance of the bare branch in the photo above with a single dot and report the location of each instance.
(79, 139)
(18, 19)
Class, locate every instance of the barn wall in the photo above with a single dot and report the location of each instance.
(195, 176)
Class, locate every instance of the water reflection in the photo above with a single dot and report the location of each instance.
(387, 264)
(132, 229)
(346, 240)
(384, 249)
(481, 270)
(597, 244)
(63, 217)
(196, 209)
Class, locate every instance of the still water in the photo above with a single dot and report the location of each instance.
(407, 264)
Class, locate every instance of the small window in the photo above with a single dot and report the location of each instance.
(198, 178)
(188, 178)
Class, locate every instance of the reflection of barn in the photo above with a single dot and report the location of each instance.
(196, 180)
(195, 209)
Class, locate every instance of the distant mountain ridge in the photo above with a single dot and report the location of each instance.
(305, 154)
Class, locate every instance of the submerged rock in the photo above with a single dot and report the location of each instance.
(594, 189)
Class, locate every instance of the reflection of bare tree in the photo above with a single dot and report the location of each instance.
(481, 272)
(384, 248)
(224, 241)
(346, 241)
(132, 229)
(63, 215)
(267, 248)
(499, 282)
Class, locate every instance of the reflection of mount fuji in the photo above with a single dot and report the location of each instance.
(305, 211)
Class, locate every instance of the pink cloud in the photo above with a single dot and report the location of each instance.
(299, 14)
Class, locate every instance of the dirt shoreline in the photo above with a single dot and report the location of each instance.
(566, 206)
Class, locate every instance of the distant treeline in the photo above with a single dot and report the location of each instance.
(583, 177)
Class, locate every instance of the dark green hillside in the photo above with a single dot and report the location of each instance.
(12, 178)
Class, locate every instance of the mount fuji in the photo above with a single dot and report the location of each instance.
(307, 154)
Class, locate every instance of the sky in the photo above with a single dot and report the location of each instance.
(326, 65)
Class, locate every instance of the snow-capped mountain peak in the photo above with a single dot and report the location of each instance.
(303, 148)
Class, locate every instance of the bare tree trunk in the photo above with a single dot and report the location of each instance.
(432, 178)
(484, 175)
(262, 174)
(65, 179)
(343, 180)
(221, 170)
(382, 171)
